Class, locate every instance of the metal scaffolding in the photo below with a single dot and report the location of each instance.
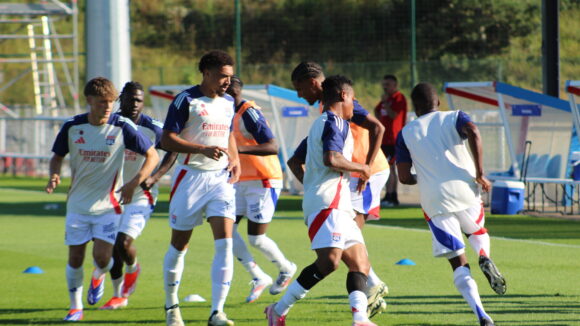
(46, 54)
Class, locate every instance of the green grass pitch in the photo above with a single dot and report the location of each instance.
(539, 257)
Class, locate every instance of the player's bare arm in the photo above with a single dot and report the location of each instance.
(172, 142)
(151, 160)
(166, 164)
(296, 165)
(54, 175)
(475, 145)
(405, 175)
(338, 162)
(268, 148)
(234, 161)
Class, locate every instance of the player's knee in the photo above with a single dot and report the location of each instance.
(257, 241)
(328, 265)
(102, 261)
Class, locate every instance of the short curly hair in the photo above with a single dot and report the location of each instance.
(101, 86)
(215, 59)
(305, 70)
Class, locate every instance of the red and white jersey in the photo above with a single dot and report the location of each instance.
(323, 186)
(201, 120)
(96, 161)
(152, 130)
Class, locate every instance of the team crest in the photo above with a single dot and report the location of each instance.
(335, 236)
(173, 218)
(110, 140)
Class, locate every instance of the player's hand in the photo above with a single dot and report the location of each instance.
(365, 174)
(53, 182)
(361, 185)
(148, 183)
(484, 182)
(214, 152)
(127, 191)
(235, 171)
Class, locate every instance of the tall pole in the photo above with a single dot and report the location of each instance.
(238, 37)
(413, 45)
(550, 48)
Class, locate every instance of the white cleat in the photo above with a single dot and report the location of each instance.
(173, 316)
(363, 323)
(219, 318)
(258, 287)
(376, 303)
(283, 280)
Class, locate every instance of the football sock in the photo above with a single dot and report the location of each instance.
(270, 249)
(466, 285)
(480, 244)
(309, 276)
(356, 283)
(172, 269)
(373, 279)
(222, 270)
(74, 281)
(117, 286)
(244, 256)
(294, 293)
(131, 268)
(98, 272)
(117, 269)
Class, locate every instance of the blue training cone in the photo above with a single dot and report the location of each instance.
(33, 270)
(406, 261)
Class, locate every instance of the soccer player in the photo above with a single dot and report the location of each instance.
(198, 127)
(449, 179)
(367, 132)
(137, 213)
(392, 112)
(257, 193)
(327, 206)
(96, 142)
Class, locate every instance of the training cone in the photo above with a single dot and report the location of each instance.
(33, 270)
(406, 261)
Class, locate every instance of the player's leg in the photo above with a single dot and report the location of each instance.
(356, 259)
(261, 206)
(367, 206)
(448, 243)
(222, 268)
(116, 272)
(104, 232)
(77, 235)
(472, 224)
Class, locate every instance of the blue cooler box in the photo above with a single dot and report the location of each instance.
(507, 197)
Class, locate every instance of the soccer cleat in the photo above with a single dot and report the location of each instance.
(375, 299)
(258, 286)
(486, 322)
(96, 290)
(363, 323)
(378, 307)
(130, 282)
(219, 318)
(273, 318)
(283, 280)
(74, 315)
(115, 303)
(173, 316)
(496, 280)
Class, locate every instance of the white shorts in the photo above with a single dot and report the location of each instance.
(134, 218)
(195, 192)
(447, 230)
(81, 228)
(331, 228)
(369, 200)
(256, 203)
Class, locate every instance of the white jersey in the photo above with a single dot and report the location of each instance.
(201, 120)
(324, 187)
(445, 168)
(96, 161)
(152, 130)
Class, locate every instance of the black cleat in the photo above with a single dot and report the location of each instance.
(496, 280)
